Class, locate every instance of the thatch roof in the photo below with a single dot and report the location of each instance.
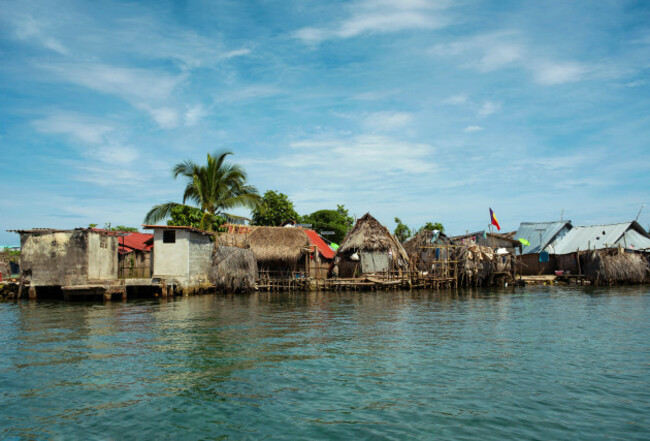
(278, 244)
(613, 267)
(5, 269)
(233, 269)
(369, 235)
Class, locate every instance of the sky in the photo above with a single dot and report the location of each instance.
(425, 110)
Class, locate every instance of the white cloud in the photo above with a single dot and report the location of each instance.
(28, 28)
(383, 16)
(500, 50)
(456, 100)
(472, 129)
(79, 128)
(194, 114)
(387, 121)
(552, 73)
(145, 89)
(488, 108)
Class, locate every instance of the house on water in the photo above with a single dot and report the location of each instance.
(629, 236)
(543, 237)
(369, 248)
(69, 262)
(182, 256)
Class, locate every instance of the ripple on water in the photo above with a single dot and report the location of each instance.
(540, 363)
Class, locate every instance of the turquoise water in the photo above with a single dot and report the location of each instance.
(535, 363)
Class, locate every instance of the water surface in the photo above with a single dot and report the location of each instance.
(534, 363)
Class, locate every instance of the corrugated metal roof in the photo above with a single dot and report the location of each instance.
(594, 237)
(317, 241)
(541, 235)
(137, 241)
(634, 240)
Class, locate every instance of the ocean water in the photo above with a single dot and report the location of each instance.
(536, 363)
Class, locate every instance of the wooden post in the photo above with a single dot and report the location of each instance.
(32, 292)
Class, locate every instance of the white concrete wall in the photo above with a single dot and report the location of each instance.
(171, 260)
(102, 257)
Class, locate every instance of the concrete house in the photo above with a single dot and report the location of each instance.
(80, 261)
(182, 256)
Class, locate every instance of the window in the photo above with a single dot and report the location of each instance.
(169, 236)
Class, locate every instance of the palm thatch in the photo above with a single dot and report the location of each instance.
(476, 265)
(422, 238)
(278, 245)
(614, 267)
(368, 235)
(233, 269)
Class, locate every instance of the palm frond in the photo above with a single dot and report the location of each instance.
(159, 212)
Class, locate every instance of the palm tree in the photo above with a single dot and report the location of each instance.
(213, 187)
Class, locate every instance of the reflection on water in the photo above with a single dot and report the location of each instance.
(540, 363)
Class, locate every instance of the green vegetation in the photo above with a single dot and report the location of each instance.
(108, 227)
(274, 209)
(402, 231)
(433, 226)
(186, 216)
(339, 221)
(213, 188)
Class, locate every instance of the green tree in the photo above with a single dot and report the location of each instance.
(108, 227)
(433, 226)
(274, 209)
(338, 221)
(402, 231)
(186, 216)
(213, 188)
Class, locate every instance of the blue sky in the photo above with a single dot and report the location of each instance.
(426, 110)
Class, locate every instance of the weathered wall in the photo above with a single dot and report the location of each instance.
(102, 257)
(55, 258)
(529, 265)
(200, 257)
(171, 260)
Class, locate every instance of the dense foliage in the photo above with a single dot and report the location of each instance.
(339, 221)
(213, 188)
(186, 216)
(274, 209)
(433, 226)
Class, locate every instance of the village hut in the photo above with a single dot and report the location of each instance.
(233, 269)
(608, 267)
(280, 250)
(370, 248)
(429, 252)
(477, 265)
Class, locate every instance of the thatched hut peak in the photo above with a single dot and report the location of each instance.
(376, 248)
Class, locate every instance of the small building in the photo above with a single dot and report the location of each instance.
(135, 252)
(182, 256)
(79, 261)
(430, 253)
(282, 252)
(370, 248)
(539, 256)
(629, 236)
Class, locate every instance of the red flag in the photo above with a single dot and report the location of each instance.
(494, 221)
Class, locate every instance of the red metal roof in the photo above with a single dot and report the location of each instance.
(135, 241)
(318, 242)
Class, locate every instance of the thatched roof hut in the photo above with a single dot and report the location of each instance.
(279, 248)
(413, 246)
(368, 248)
(429, 253)
(614, 267)
(233, 269)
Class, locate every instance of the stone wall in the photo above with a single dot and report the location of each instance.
(200, 255)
